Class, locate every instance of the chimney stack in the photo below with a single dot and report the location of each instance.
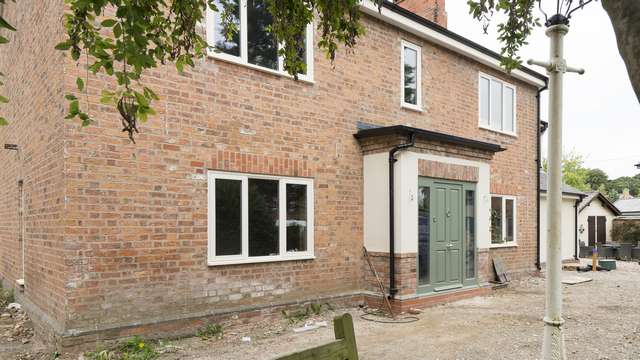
(432, 10)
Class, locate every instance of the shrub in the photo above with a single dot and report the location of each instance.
(626, 232)
(6, 297)
(132, 349)
(210, 331)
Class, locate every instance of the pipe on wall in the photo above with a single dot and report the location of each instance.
(392, 253)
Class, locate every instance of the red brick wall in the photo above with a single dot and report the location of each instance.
(135, 222)
(34, 83)
(433, 10)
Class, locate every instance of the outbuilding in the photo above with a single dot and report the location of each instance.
(571, 199)
(596, 215)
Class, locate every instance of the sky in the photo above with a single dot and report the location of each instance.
(601, 111)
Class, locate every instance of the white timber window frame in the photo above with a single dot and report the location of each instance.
(243, 59)
(503, 217)
(418, 105)
(486, 121)
(243, 258)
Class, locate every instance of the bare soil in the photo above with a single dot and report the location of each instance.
(602, 322)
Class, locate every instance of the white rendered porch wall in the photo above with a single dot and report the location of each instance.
(376, 200)
(568, 227)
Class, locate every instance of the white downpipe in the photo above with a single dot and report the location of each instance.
(553, 340)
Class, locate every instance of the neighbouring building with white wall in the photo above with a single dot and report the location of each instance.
(571, 199)
(595, 220)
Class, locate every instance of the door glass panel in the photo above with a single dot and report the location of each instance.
(424, 216)
(226, 40)
(228, 217)
(496, 220)
(261, 44)
(296, 217)
(264, 234)
(470, 234)
(509, 219)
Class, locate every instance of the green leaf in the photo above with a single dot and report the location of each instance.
(3, 121)
(70, 97)
(108, 23)
(117, 30)
(3, 40)
(80, 83)
(74, 107)
(5, 24)
(180, 65)
(3, 99)
(65, 45)
(142, 101)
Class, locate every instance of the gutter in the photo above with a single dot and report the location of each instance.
(392, 251)
(538, 168)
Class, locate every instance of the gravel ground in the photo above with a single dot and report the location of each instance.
(602, 322)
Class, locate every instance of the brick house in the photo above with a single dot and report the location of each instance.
(250, 191)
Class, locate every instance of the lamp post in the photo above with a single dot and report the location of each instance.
(556, 66)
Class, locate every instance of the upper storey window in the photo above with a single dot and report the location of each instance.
(247, 41)
(497, 105)
(411, 75)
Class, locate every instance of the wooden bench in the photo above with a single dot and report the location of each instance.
(343, 348)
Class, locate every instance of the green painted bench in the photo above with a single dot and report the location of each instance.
(343, 348)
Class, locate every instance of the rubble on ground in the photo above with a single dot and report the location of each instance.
(15, 325)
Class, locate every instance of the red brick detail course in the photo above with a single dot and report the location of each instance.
(442, 170)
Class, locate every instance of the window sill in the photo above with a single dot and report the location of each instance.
(512, 134)
(498, 246)
(412, 107)
(233, 60)
(259, 259)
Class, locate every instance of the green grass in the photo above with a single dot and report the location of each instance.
(132, 349)
(211, 331)
(6, 297)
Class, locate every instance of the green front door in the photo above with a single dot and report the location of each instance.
(441, 244)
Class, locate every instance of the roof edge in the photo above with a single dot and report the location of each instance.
(605, 201)
(428, 135)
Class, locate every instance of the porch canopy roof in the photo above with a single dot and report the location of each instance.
(367, 131)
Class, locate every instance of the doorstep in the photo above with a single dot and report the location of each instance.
(427, 300)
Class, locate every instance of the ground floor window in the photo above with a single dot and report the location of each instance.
(256, 218)
(503, 220)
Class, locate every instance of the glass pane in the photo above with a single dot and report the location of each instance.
(470, 233)
(264, 237)
(496, 220)
(508, 110)
(262, 46)
(302, 52)
(496, 105)
(228, 222)
(509, 218)
(484, 101)
(296, 217)
(225, 39)
(424, 215)
(410, 76)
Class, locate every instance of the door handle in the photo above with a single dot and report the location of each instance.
(449, 245)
